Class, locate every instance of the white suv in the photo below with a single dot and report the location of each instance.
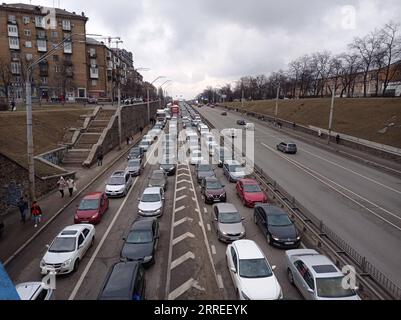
(151, 203)
(68, 249)
(119, 184)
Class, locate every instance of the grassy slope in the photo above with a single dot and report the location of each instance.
(48, 130)
(361, 118)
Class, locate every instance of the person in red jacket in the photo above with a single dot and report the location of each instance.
(36, 212)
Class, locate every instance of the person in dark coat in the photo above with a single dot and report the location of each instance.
(338, 139)
(100, 158)
(23, 208)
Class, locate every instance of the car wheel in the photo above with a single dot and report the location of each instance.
(76, 265)
(290, 276)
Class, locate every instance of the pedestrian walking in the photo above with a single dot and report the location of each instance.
(338, 139)
(319, 133)
(127, 140)
(100, 158)
(13, 108)
(71, 186)
(23, 207)
(141, 130)
(61, 186)
(36, 212)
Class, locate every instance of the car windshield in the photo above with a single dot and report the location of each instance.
(235, 168)
(332, 288)
(252, 188)
(291, 145)
(61, 244)
(89, 204)
(279, 220)
(135, 151)
(150, 197)
(213, 185)
(254, 268)
(116, 181)
(204, 167)
(134, 163)
(139, 236)
(229, 217)
(157, 176)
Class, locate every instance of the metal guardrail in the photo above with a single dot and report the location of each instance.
(369, 277)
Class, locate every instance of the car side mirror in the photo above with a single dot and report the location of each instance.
(233, 269)
(274, 268)
(311, 291)
(242, 218)
(80, 246)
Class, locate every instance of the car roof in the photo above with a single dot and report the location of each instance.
(93, 195)
(270, 209)
(321, 266)
(152, 190)
(143, 224)
(232, 162)
(73, 230)
(119, 283)
(226, 207)
(118, 173)
(211, 179)
(158, 172)
(248, 249)
(27, 290)
(249, 181)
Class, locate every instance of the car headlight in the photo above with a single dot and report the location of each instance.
(66, 263)
(158, 210)
(299, 238)
(147, 258)
(245, 296)
(95, 216)
(224, 233)
(276, 238)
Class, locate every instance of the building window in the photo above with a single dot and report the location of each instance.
(93, 63)
(29, 56)
(81, 92)
(39, 22)
(67, 25)
(92, 52)
(42, 45)
(14, 43)
(11, 18)
(28, 44)
(94, 83)
(26, 20)
(54, 34)
(27, 33)
(15, 68)
(12, 31)
(57, 69)
(43, 80)
(67, 47)
(41, 34)
(94, 73)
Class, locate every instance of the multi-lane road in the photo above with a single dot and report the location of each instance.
(359, 203)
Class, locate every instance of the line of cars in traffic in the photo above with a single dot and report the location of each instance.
(314, 274)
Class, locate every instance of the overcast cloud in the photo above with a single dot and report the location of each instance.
(197, 43)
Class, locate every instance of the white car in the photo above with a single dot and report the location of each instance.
(34, 291)
(68, 249)
(196, 156)
(151, 204)
(119, 184)
(251, 273)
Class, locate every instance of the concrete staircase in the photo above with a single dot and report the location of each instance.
(80, 152)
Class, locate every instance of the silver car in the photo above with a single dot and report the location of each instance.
(316, 276)
(227, 222)
(151, 204)
(135, 167)
(119, 184)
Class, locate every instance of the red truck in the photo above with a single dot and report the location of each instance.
(175, 110)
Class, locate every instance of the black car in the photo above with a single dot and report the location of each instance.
(213, 190)
(158, 179)
(287, 147)
(204, 170)
(1, 228)
(224, 113)
(241, 122)
(169, 166)
(278, 228)
(125, 281)
(141, 242)
(135, 152)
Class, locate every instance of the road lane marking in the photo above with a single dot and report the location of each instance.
(183, 237)
(182, 259)
(181, 181)
(191, 283)
(180, 189)
(208, 227)
(316, 176)
(183, 220)
(179, 209)
(205, 210)
(220, 281)
(213, 249)
(183, 174)
(181, 198)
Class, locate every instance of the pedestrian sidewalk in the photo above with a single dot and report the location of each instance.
(17, 233)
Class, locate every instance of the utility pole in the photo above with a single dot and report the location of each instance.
(119, 96)
(277, 97)
(331, 112)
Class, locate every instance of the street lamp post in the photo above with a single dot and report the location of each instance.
(147, 93)
(276, 110)
(161, 88)
(29, 126)
(331, 113)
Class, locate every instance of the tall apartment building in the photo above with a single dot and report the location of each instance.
(27, 32)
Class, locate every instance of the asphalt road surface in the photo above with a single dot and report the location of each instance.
(359, 203)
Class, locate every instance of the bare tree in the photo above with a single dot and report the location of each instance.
(351, 67)
(6, 77)
(367, 47)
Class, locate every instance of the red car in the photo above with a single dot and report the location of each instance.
(250, 192)
(92, 208)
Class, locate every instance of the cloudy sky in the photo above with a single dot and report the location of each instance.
(197, 43)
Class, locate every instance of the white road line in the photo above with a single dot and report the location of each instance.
(220, 281)
(180, 189)
(352, 171)
(181, 198)
(316, 176)
(213, 249)
(182, 259)
(208, 227)
(204, 209)
(99, 246)
(183, 237)
(183, 174)
(179, 209)
(193, 199)
(183, 220)
(181, 181)
(181, 289)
